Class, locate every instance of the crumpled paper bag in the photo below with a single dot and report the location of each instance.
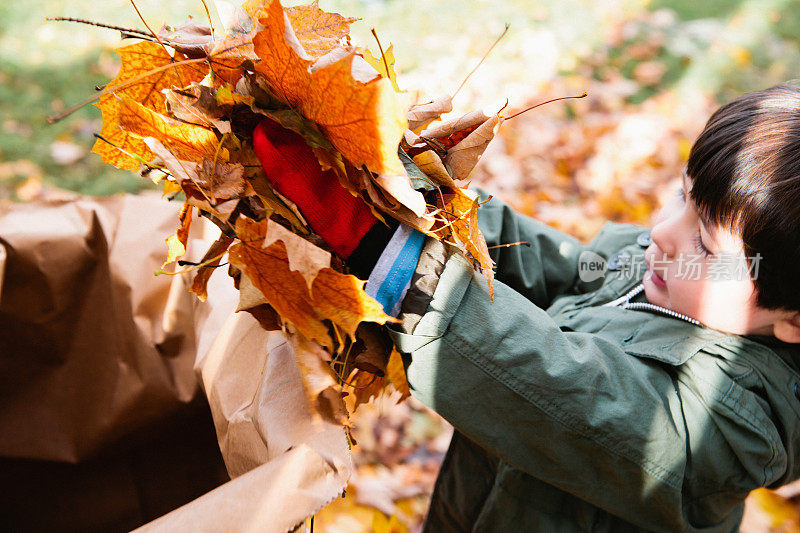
(93, 346)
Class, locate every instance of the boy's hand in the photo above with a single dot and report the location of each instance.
(290, 165)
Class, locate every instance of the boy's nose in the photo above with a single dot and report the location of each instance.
(663, 238)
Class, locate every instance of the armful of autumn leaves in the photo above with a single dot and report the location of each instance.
(182, 110)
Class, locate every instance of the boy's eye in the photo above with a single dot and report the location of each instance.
(701, 248)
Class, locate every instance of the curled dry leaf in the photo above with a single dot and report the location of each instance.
(421, 115)
(191, 39)
(210, 261)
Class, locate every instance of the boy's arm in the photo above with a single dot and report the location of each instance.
(542, 268)
(570, 408)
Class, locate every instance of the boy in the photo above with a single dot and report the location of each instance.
(656, 397)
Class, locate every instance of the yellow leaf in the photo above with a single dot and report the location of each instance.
(170, 187)
(781, 511)
(363, 120)
(145, 71)
(176, 244)
(384, 64)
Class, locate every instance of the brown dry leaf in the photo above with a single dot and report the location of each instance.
(213, 256)
(432, 165)
(319, 381)
(364, 121)
(197, 104)
(396, 373)
(462, 158)
(185, 141)
(191, 39)
(421, 115)
(318, 31)
(284, 289)
(268, 318)
(176, 244)
(134, 82)
(223, 181)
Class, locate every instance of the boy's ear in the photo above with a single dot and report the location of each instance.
(788, 329)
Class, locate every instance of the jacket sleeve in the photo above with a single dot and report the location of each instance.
(570, 408)
(542, 268)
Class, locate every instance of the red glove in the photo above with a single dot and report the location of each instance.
(334, 214)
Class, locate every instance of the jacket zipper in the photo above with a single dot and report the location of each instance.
(625, 303)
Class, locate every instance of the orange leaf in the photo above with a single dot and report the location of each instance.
(319, 381)
(366, 386)
(185, 141)
(318, 31)
(364, 120)
(334, 296)
(136, 81)
(396, 373)
(341, 298)
(268, 269)
(466, 235)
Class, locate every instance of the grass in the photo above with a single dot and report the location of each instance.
(719, 47)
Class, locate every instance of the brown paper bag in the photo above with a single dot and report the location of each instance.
(93, 348)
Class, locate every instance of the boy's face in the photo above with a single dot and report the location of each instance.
(701, 271)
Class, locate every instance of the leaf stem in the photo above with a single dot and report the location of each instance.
(383, 55)
(545, 102)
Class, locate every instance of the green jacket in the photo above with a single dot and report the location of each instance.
(571, 416)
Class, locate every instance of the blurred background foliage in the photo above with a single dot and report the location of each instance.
(654, 71)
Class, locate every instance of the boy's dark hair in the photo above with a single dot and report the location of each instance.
(745, 172)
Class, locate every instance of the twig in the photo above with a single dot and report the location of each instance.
(545, 102)
(481, 61)
(130, 31)
(520, 243)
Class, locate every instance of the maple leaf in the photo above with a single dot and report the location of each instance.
(334, 296)
(185, 141)
(176, 244)
(364, 121)
(318, 31)
(141, 78)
